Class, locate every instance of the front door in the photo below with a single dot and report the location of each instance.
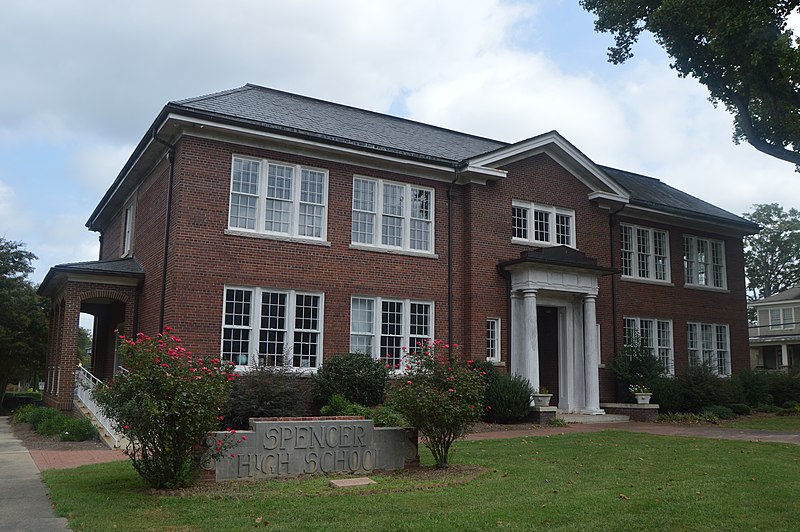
(547, 326)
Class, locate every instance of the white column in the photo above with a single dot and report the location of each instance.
(591, 356)
(530, 343)
(517, 334)
(784, 362)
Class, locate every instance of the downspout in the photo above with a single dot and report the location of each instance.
(450, 256)
(171, 160)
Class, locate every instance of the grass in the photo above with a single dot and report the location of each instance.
(599, 481)
(781, 423)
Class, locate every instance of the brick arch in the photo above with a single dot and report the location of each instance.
(122, 296)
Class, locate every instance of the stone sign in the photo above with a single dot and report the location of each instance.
(311, 446)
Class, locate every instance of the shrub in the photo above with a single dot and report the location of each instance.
(442, 397)
(339, 406)
(265, 392)
(41, 415)
(667, 394)
(701, 388)
(767, 409)
(166, 404)
(22, 414)
(718, 412)
(680, 417)
(557, 422)
(784, 387)
(357, 377)
(789, 405)
(741, 409)
(52, 425)
(508, 398)
(636, 366)
(387, 416)
(78, 430)
(750, 387)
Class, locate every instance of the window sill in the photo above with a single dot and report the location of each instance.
(646, 281)
(281, 238)
(393, 251)
(707, 288)
(298, 372)
(536, 244)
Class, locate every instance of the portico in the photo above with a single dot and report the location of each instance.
(562, 350)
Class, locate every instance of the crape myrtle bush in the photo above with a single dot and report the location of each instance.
(166, 403)
(509, 397)
(357, 377)
(636, 366)
(441, 396)
(266, 391)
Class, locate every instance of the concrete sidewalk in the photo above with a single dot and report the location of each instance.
(24, 504)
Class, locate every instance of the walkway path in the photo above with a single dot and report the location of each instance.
(24, 504)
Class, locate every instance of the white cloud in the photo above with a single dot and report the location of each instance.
(14, 217)
(96, 164)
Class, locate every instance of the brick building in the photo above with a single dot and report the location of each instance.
(280, 229)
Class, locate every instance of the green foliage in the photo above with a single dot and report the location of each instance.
(557, 422)
(751, 386)
(681, 417)
(40, 414)
(266, 392)
(50, 426)
(508, 399)
(637, 367)
(772, 256)
(718, 412)
(388, 416)
(767, 408)
(357, 377)
(339, 406)
(741, 409)
(667, 394)
(741, 50)
(701, 388)
(78, 430)
(166, 404)
(23, 317)
(22, 414)
(784, 387)
(442, 397)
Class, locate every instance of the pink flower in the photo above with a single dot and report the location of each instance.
(221, 418)
(244, 438)
(126, 427)
(408, 382)
(451, 390)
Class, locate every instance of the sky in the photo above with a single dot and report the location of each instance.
(82, 80)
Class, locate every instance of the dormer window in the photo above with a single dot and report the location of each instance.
(542, 225)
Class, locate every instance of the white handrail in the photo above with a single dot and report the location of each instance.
(86, 383)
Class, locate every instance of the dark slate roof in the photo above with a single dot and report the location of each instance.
(792, 294)
(558, 256)
(278, 110)
(127, 267)
(650, 192)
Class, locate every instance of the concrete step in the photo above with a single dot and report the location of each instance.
(592, 419)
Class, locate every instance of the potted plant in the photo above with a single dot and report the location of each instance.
(541, 397)
(641, 393)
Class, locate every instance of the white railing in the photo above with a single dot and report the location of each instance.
(85, 385)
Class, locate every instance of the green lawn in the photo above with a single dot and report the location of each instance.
(598, 481)
(782, 423)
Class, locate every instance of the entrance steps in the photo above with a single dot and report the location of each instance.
(589, 419)
(120, 442)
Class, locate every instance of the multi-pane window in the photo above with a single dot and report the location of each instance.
(644, 253)
(655, 337)
(542, 224)
(272, 327)
(781, 318)
(704, 262)
(278, 199)
(392, 215)
(493, 339)
(383, 327)
(708, 343)
(127, 231)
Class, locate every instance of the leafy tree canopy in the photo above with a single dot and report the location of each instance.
(23, 316)
(772, 257)
(741, 50)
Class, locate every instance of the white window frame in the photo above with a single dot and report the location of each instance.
(406, 218)
(633, 252)
(702, 348)
(493, 339)
(254, 326)
(703, 272)
(659, 346)
(785, 318)
(128, 218)
(377, 329)
(295, 200)
(530, 220)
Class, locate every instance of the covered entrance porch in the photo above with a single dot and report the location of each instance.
(555, 338)
(108, 291)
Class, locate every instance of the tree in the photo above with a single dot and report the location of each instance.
(23, 317)
(772, 257)
(741, 50)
